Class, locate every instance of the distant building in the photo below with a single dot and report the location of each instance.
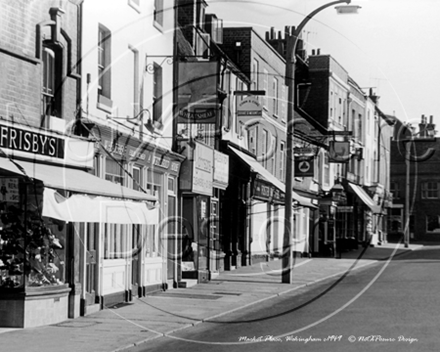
(423, 185)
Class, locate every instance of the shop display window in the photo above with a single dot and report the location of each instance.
(31, 247)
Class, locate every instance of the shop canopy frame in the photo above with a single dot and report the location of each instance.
(365, 198)
(259, 169)
(92, 200)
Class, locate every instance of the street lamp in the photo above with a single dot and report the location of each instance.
(292, 42)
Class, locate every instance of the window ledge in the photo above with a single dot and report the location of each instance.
(105, 104)
(158, 26)
(135, 6)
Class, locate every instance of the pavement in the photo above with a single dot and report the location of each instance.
(137, 322)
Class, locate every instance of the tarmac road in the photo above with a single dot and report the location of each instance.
(393, 305)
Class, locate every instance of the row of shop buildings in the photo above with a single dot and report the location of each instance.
(143, 150)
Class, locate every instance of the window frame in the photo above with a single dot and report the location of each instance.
(52, 100)
(395, 189)
(158, 14)
(282, 161)
(104, 46)
(135, 4)
(157, 103)
(428, 192)
(275, 96)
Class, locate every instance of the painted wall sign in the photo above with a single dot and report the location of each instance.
(263, 190)
(15, 138)
(221, 169)
(203, 170)
(126, 148)
(9, 191)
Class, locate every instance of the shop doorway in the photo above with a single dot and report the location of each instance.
(91, 243)
(136, 260)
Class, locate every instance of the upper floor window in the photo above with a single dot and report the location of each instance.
(114, 172)
(252, 140)
(431, 190)
(136, 4)
(255, 74)
(326, 168)
(157, 93)
(264, 147)
(158, 12)
(137, 183)
(104, 66)
(395, 190)
(353, 123)
(359, 130)
(272, 153)
(275, 96)
(282, 161)
(265, 87)
(51, 88)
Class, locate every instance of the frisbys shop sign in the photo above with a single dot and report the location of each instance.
(18, 139)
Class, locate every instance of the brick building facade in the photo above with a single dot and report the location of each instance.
(423, 185)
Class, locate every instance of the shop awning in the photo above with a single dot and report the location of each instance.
(84, 208)
(78, 181)
(365, 198)
(94, 199)
(258, 168)
(304, 201)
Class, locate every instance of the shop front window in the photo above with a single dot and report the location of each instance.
(153, 241)
(31, 247)
(114, 239)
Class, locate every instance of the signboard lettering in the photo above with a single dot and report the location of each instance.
(203, 170)
(32, 142)
(221, 168)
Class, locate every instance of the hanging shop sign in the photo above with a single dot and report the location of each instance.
(197, 92)
(304, 167)
(249, 110)
(221, 170)
(339, 152)
(305, 151)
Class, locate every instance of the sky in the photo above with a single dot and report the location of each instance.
(391, 46)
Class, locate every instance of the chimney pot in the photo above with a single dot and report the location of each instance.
(431, 119)
(272, 33)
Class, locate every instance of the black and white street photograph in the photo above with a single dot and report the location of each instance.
(219, 175)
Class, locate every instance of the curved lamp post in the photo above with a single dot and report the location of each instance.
(292, 42)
